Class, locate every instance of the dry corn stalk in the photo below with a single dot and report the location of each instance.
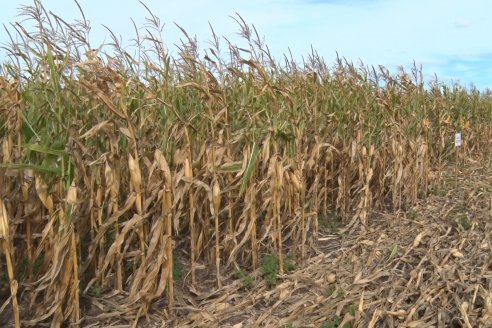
(112, 191)
(191, 202)
(167, 212)
(26, 184)
(71, 200)
(216, 198)
(5, 243)
(136, 180)
(253, 218)
(277, 181)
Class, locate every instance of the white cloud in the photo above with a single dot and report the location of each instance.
(463, 23)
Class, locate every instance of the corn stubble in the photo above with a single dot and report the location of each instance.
(110, 161)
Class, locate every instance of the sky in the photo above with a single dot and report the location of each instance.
(449, 38)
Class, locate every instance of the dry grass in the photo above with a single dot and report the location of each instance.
(114, 163)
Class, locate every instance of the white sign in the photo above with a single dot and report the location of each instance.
(457, 140)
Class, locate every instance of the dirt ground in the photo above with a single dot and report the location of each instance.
(427, 267)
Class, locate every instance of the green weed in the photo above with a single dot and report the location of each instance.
(290, 263)
(177, 267)
(330, 290)
(413, 214)
(333, 322)
(465, 223)
(393, 251)
(352, 310)
(4, 279)
(270, 269)
(246, 278)
(109, 308)
(94, 291)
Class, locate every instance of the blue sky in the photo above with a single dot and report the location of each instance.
(447, 37)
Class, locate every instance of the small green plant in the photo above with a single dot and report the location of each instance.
(82, 283)
(290, 263)
(333, 291)
(4, 279)
(109, 238)
(342, 234)
(460, 214)
(333, 322)
(94, 291)
(38, 263)
(323, 221)
(330, 290)
(22, 270)
(330, 222)
(341, 293)
(413, 214)
(129, 265)
(241, 274)
(352, 310)
(177, 268)
(270, 268)
(439, 191)
(334, 221)
(393, 251)
(465, 222)
(109, 308)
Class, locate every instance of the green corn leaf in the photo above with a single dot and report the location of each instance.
(249, 168)
(231, 168)
(36, 168)
(45, 150)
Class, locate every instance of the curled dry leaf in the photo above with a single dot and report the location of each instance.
(216, 196)
(42, 190)
(418, 239)
(188, 170)
(331, 278)
(367, 242)
(456, 253)
(4, 223)
(401, 314)
(72, 194)
(135, 174)
(295, 181)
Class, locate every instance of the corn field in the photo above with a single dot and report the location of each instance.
(114, 160)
